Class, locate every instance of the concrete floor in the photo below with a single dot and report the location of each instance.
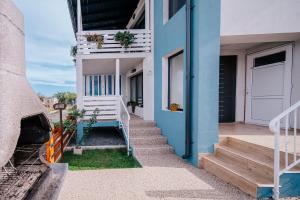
(162, 177)
(258, 135)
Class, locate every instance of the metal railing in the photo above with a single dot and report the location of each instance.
(290, 159)
(141, 44)
(124, 119)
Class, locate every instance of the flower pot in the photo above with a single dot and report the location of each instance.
(77, 151)
(174, 107)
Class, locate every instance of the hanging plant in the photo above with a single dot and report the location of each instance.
(73, 51)
(99, 39)
(125, 38)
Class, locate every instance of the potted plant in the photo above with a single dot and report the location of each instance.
(99, 39)
(73, 51)
(174, 107)
(77, 150)
(125, 38)
(133, 104)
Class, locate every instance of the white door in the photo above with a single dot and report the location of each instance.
(268, 84)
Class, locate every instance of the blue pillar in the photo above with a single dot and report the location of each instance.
(80, 129)
(205, 75)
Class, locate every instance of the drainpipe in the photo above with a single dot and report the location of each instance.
(188, 133)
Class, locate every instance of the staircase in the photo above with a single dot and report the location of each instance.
(247, 166)
(146, 139)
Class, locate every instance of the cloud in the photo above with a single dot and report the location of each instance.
(48, 36)
(51, 83)
(46, 75)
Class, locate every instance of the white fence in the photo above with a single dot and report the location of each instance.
(285, 161)
(142, 42)
(108, 107)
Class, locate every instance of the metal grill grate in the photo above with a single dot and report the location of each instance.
(17, 179)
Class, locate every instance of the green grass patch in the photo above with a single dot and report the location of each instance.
(99, 159)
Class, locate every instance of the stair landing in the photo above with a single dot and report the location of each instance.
(255, 134)
(248, 166)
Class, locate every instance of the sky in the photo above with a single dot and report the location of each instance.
(48, 39)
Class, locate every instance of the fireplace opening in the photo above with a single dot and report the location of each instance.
(25, 168)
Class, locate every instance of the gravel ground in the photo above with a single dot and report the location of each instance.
(162, 177)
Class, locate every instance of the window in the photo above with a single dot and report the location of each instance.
(91, 86)
(96, 92)
(174, 6)
(109, 85)
(97, 85)
(175, 80)
(136, 89)
(270, 59)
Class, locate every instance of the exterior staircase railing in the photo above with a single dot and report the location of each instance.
(282, 122)
(124, 119)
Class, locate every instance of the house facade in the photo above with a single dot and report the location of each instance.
(144, 67)
(192, 66)
(262, 48)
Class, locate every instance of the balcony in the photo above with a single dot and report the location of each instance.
(141, 44)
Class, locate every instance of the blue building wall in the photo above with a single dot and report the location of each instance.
(168, 38)
(205, 72)
(205, 51)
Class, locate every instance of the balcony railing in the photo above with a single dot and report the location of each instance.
(141, 44)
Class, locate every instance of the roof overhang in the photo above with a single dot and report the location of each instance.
(103, 14)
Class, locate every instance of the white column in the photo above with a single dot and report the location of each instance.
(79, 83)
(79, 17)
(147, 14)
(117, 79)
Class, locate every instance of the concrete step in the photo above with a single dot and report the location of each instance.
(142, 123)
(156, 139)
(140, 131)
(244, 161)
(230, 172)
(141, 150)
(257, 152)
(245, 165)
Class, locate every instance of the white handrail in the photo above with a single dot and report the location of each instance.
(275, 127)
(124, 119)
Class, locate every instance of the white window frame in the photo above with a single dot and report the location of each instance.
(165, 11)
(165, 78)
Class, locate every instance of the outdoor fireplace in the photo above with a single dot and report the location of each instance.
(34, 130)
(26, 166)
(24, 126)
